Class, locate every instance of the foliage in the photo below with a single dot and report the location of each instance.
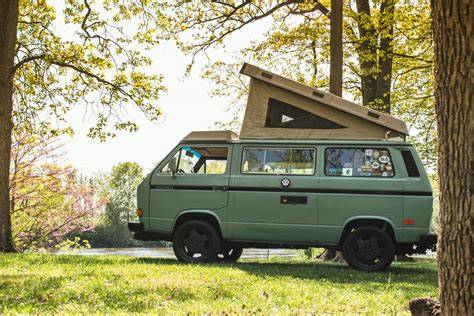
(119, 189)
(84, 52)
(117, 284)
(297, 46)
(75, 245)
(47, 199)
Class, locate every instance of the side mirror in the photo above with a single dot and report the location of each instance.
(172, 164)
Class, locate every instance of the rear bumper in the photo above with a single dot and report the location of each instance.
(429, 240)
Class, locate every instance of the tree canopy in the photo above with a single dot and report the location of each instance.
(388, 53)
(84, 53)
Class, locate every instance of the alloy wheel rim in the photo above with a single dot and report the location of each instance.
(195, 242)
(369, 250)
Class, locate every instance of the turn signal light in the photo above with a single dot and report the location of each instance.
(139, 212)
(408, 222)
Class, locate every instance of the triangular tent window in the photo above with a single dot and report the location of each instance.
(284, 115)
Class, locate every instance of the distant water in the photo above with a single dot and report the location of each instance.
(249, 253)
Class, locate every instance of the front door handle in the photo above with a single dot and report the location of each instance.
(220, 189)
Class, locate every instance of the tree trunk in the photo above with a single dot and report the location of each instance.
(330, 255)
(385, 59)
(335, 47)
(8, 29)
(375, 58)
(454, 72)
(366, 52)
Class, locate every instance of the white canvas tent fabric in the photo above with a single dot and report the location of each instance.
(281, 108)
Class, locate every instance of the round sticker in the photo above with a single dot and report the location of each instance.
(384, 159)
(375, 165)
(376, 154)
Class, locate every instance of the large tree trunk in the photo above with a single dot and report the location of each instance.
(8, 29)
(335, 82)
(454, 71)
(335, 47)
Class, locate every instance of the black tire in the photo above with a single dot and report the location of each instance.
(196, 241)
(368, 248)
(231, 254)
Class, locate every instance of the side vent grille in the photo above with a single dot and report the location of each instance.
(410, 164)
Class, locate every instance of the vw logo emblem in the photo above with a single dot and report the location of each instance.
(285, 182)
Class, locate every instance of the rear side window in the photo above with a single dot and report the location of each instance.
(278, 160)
(358, 162)
(410, 164)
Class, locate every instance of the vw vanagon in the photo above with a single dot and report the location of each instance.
(308, 169)
(214, 195)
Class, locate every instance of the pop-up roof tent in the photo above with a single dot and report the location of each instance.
(281, 108)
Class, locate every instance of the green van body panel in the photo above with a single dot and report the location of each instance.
(248, 207)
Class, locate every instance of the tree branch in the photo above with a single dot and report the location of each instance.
(27, 60)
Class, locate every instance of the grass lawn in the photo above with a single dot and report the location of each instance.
(35, 283)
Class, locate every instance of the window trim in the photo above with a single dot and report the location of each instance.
(178, 150)
(361, 148)
(314, 149)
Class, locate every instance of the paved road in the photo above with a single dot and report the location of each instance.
(250, 253)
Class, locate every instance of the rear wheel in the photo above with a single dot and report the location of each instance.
(369, 249)
(231, 254)
(196, 241)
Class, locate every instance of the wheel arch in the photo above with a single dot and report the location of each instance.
(204, 215)
(359, 221)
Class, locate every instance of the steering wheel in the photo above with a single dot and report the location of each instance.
(266, 167)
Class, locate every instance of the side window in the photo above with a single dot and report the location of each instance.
(284, 115)
(358, 162)
(278, 160)
(200, 160)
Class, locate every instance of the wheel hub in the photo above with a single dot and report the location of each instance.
(368, 250)
(195, 242)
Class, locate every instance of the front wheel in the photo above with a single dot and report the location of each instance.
(369, 249)
(196, 241)
(231, 254)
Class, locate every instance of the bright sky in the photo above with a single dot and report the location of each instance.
(187, 106)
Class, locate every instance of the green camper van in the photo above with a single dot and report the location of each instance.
(308, 169)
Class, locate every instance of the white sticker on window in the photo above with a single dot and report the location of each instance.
(384, 159)
(347, 172)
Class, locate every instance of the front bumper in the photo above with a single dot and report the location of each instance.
(136, 227)
(141, 234)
